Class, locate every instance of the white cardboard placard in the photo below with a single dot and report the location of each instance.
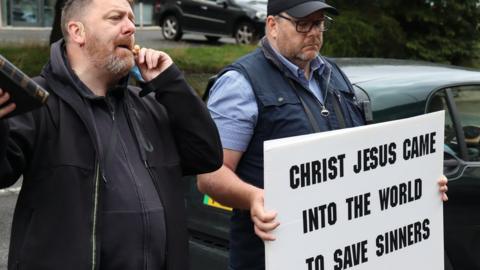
(336, 220)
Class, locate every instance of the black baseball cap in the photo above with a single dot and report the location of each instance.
(298, 8)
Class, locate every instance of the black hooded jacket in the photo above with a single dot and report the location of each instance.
(57, 220)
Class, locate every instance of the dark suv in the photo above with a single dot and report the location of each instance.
(242, 19)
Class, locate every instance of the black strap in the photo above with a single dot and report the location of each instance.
(365, 106)
(309, 113)
(338, 111)
(311, 118)
(335, 102)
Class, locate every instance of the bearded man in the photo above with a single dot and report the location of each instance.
(102, 161)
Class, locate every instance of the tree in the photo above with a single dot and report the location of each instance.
(356, 34)
(439, 30)
(433, 30)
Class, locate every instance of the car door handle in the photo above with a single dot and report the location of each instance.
(204, 7)
(179, 3)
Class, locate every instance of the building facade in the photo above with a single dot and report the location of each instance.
(40, 13)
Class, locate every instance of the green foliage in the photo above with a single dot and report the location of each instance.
(357, 35)
(444, 31)
(30, 59)
(207, 59)
(199, 63)
(198, 81)
(476, 56)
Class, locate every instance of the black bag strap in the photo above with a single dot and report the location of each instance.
(338, 111)
(363, 100)
(307, 110)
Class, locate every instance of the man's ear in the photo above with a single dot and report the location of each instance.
(76, 31)
(272, 26)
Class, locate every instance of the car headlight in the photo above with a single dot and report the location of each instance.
(261, 15)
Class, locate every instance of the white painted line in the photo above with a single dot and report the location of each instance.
(8, 191)
(48, 28)
(25, 28)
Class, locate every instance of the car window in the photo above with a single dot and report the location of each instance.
(438, 103)
(466, 100)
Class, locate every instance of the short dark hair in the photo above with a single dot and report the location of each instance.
(72, 9)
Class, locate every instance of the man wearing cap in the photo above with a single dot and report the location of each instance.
(282, 89)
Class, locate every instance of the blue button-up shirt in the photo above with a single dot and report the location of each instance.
(233, 106)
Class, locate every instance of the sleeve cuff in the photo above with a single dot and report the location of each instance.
(163, 78)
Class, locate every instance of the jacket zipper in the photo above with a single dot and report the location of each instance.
(112, 115)
(145, 215)
(147, 241)
(154, 180)
(95, 210)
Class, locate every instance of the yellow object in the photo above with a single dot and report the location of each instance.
(210, 202)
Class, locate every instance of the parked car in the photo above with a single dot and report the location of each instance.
(392, 89)
(242, 19)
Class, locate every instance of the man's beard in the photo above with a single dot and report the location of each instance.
(102, 58)
(303, 56)
(296, 54)
(117, 65)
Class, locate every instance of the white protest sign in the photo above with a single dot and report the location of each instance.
(361, 198)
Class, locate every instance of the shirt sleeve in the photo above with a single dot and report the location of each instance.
(233, 107)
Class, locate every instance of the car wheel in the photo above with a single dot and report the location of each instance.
(171, 28)
(212, 39)
(245, 33)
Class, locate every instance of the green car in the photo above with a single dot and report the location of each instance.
(389, 90)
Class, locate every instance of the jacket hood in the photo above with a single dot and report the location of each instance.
(64, 83)
(59, 71)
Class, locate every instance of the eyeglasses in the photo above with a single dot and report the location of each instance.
(305, 26)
